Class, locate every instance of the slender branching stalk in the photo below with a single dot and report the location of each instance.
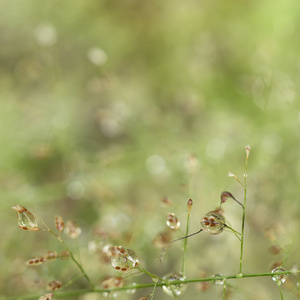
(65, 294)
(224, 290)
(185, 243)
(244, 211)
(153, 291)
(73, 258)
(280, 291)
(154, 277)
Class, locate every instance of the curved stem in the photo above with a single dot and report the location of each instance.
(185, 237)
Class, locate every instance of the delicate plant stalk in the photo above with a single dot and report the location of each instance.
(224, 290)
(153, 291)
(185, 243)
(72, 257)
(154, 277)
(191, 185)
(244, 214)
(280, 291)
(65, 294)
(72, 280)
(78, 250)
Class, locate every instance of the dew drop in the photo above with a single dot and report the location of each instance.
(122, 258)
(280, 278)
(132, 290)
(106, 294)
(213, 222)
(218, 279)
(172, 221)
(175, 289)
(26, 220)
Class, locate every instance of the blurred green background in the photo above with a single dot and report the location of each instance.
(103, 103)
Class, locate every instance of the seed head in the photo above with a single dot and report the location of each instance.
(247, 151)
(46, 297)
(26, 220)
(54, 285)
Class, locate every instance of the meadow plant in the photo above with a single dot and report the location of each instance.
(126, 263)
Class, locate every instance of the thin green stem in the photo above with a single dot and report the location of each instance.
(280, 291)
(224, 290)
(65, 294)
(244, 214)
(148, 285)
(185, 244)
(73, 258)
(72, 280)
(154, 277)
(234, 231)
(153, 291)
(78, 250)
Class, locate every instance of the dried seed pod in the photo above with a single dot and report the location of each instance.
(35, 261)
(122, 258)
(172, 221)
(225, 195)
(190, 203)
(213, 222)
(174, 290)
(54, 285)
(46, 297)
(113, 282)
(247, 151)
(166, 201)
(26, 220)
(162, 239)
(72, 230)
(275, 249)
(203, 285)
(64, 254)
(59, 223)
(51, 255)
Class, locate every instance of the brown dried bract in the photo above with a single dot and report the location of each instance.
(54, 285)
(59, 223)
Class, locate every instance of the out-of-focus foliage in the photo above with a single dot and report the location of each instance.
(103, 102)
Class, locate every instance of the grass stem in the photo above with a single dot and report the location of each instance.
(244, 214)
(185, 244)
